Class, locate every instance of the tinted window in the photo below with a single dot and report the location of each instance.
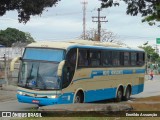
(83, 58)
(133, 59)
(126, 59)
(103, 58)
(95, 58)
(107, 58)
(71, 56)
(116, 58)
(140, 58)
(69, 67)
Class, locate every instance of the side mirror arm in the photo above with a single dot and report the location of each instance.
(60, 68)
(13, 63)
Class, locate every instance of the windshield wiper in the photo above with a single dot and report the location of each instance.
(40, 79)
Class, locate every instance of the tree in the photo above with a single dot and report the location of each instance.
(106, 36)
(29, 38)
(12, 35)
(149, 9)
(25, 8)
(152, 56)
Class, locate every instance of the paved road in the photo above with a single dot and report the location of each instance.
(151, 88)
(16, 106)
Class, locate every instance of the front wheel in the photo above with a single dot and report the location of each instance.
(79, 98)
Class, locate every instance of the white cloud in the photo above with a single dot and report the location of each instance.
(65, 22)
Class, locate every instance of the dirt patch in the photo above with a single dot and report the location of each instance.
(87, 107)
(145, 107)
(146, 104)
(154, 98)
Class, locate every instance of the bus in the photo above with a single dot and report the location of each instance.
(78, 71)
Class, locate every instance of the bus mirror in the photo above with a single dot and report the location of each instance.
(60, 68)
(13, 63)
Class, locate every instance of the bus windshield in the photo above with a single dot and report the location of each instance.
(45, 54)
(39, 75)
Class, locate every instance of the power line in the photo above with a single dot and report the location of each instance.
(70, 13)
(136, 37)
(10, 19)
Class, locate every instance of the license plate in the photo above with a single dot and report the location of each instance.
(35, 101)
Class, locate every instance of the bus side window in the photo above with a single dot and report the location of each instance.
(122, 58)
(126, 59)
(66, 77)
(72, 57)
(116, 58)
(95, 58)
(106, 58)
(82, 58)
(133, 59)
(69, 67)
(140, 59)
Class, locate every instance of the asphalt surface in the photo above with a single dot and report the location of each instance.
(151, 87)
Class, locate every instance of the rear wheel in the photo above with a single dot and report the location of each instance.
(127, 94)
(79, 98)
(119, 94)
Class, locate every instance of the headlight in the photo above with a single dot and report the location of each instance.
(53, 96)
(20, 93)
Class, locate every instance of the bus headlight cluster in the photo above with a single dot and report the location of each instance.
(20, 93)
(52, 96)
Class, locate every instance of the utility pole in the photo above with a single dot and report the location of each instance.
(157, 50)
(5, 69)
(84, 18)
(99, 22)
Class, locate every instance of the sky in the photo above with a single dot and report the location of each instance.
(64, 22)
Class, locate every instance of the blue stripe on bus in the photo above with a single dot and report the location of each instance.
(95, 73)
(140, 71)
(127, 71)
(90, 96)
(104, 48)
(100, 94)
(108, 93)
(66, 98)
(137, 89)
(40, 101)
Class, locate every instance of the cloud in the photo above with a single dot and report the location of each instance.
(65, 22)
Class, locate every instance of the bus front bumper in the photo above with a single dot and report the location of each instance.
(38, 101)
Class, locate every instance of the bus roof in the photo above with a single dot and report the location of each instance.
(81, 44)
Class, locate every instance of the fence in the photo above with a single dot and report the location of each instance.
(11, 52)
(6, 55)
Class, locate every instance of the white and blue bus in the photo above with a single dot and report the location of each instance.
(79, 71)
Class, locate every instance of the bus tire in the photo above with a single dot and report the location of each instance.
(119, 94)
(79, 98)
(127, 94)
